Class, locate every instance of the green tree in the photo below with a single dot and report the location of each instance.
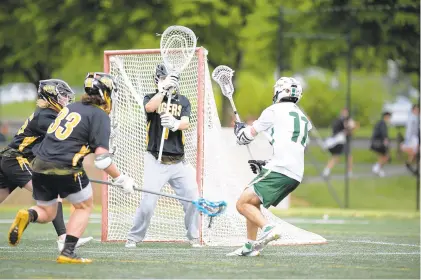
(218, 24)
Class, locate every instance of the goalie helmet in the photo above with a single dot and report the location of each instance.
(287, 89)
(56, 92)
(102, 84)
(161, 73)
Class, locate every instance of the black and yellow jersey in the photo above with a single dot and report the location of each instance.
(174, 141)
(33, 131)
(77, 131)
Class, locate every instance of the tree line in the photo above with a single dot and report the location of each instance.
(41, 38)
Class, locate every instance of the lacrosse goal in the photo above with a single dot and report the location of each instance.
(219, 177)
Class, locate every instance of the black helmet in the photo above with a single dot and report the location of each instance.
(88, 82)
(104, 85)
(160, 73)
(56, 92)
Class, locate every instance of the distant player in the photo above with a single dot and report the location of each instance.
(79, 129)
(411, 145)
(15, 171)
(173, 169)
(337, 145)
(288, 128)
(380, 143)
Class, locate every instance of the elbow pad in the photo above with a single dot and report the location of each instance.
(103, 161)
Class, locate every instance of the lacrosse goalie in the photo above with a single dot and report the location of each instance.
(288, 128)
(173, 168)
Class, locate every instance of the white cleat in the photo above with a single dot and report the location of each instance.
(378, 171)
(195, 243)
(130, 244)
(80, 242)
(245, 251)
(270, 234)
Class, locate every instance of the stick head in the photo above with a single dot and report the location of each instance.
(178, 44)
(212, 209)
(223, 76)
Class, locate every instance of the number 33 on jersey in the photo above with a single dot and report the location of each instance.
(72, 120)
(288, 127)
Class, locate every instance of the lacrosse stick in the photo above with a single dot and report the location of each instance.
(209, 208)
(223, 76)
(178, 44)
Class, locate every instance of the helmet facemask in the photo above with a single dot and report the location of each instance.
(160, 74)
(56, 92)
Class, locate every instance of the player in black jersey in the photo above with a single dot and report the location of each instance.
(79, 129)
(173, 168)
(15, 171)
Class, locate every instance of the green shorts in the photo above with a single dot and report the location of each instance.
(272, 187)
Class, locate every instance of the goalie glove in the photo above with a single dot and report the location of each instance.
(168, 121)
(256, 165)
(125, 182)
(243, 133)
(169, 84)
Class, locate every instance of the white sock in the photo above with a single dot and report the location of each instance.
(326, 171)
(376, 168)
(250, 241)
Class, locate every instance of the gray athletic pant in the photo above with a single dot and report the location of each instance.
(182, 179)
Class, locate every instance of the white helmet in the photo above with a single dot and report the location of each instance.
(287, 89)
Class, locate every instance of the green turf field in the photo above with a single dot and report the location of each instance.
(358, 247)
(364, 193)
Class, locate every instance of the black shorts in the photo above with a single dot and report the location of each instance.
(14, 172)
(380, 149)
(337, 150)
(76, 187)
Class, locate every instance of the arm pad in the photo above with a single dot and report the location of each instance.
(103, 161)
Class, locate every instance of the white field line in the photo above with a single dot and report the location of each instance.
(178, 252)
(323, 221)
(9, 221)
(375, 242)
(96, 219)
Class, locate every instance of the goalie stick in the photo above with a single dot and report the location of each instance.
(178, 44)
(209, 208)
(222, 75)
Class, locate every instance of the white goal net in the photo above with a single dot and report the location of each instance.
(219, 174)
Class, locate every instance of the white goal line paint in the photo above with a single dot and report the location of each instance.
(323, 221)
(163, 251)
(375, 242)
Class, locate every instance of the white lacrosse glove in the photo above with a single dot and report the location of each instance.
(170, 82)
(243, 133)
(126, 182)
(168, 121)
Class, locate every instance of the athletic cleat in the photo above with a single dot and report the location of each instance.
(195, 243)
(18, 227)
(270, 233)
(130, 244)
(80, 242)
(246, 251)
(72, 259)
